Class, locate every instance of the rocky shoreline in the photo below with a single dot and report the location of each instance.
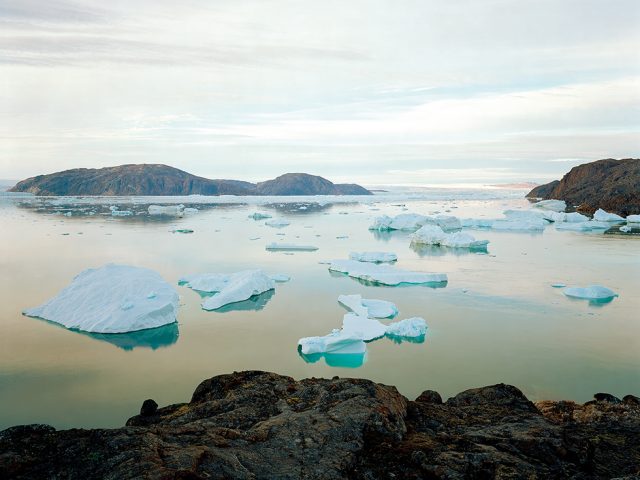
(260, 425)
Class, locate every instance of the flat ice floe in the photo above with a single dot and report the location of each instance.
(291, 247)
(373, 257)
(368, 307)
(555, 205)
(434, 235)
(228, 288)
(602, 216)
(592, 292)
(112, 299)
(384, 274)
(583, 226)
(169, 210)
(277, 223)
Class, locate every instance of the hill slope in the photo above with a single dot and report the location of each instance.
(151, 179)
(613, 185)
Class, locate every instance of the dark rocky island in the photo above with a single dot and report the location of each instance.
(149, 179)
(613, 185)
(258, 425)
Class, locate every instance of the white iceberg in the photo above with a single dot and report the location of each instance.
(291, 247)
(277, 222)
(171, 210)
(592, 292)
(555, 205)
(384, 274)
(633, 219)
(373, 257)
(368, 307)
(583, 226)
(362, 327)
(526, 215)
(335, 342)
(519, 225)
(446, 222)
(259, 216)
(415, 327)
(229, 288)
(602, 216)
(404, 221)
(434, 235)
(280, 277)
(476, 223)
(112, 299)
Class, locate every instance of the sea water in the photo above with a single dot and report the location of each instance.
(497, 320)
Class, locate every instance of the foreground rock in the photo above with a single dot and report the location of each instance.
(613, 185)
(150, 179)
(258, 425)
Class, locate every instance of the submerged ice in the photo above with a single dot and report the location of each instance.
(112, 299)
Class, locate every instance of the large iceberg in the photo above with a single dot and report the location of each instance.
(229, 288)
(373, 257)
(592, 292)
(555, 205)
(112, 299)
(434, 235)
(368, 307)
(384, 274)
(602, 216)
(169, 210)
(633, 219)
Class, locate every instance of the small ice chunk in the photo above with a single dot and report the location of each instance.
(625, 229)
(384, 274)
(592, 292)
(558, 285)
(602, 216)
(555, 205)
(111, 299)
(259, 216)
(182, 230)
(280, 277)
(229, 288)
(368, 307)
(291, 247)
(633, 219)
(373, 257)
(434, 235)
(277, 222)
(415, 327)
(171, 210)
(121, 213)
(190, 211)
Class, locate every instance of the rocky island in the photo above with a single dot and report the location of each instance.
(613, 185)
(152, 179)
(260, 425)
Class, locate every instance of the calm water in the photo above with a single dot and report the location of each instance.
(497, 320)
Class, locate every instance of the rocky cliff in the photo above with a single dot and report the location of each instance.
(259, 425)
(613, 185)
(149, 179)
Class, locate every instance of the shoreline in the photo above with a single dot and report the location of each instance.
(256, 424)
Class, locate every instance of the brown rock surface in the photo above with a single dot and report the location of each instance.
(613, 185)
(259, 425)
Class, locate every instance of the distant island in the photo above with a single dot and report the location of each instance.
(156, 179)
(613, 185)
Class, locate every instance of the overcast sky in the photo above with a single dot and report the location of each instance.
(372, 91)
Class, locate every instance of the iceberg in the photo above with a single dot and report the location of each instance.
(384, 274)
(583, 226)
(555, 205)
(373, 257)
(415, 327)
(290, 247)
(625, 229)
(190, 211)
(602, 216)
(446, 222)
(404, 221)
(575, 217)
(526, 215)
(228, 288)
(336, 342)
(519, 225)
(280, 277)
(592, 292)
(633, 219)
(476, 223)
(259, 216)
(434, 235)
(112, 299)
(368, 307)
(362, 327)
(277, 223)
(170, 210)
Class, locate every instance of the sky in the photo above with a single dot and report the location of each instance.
(415, 92)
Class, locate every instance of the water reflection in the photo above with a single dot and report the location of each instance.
(399, 340)
(341, 360)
